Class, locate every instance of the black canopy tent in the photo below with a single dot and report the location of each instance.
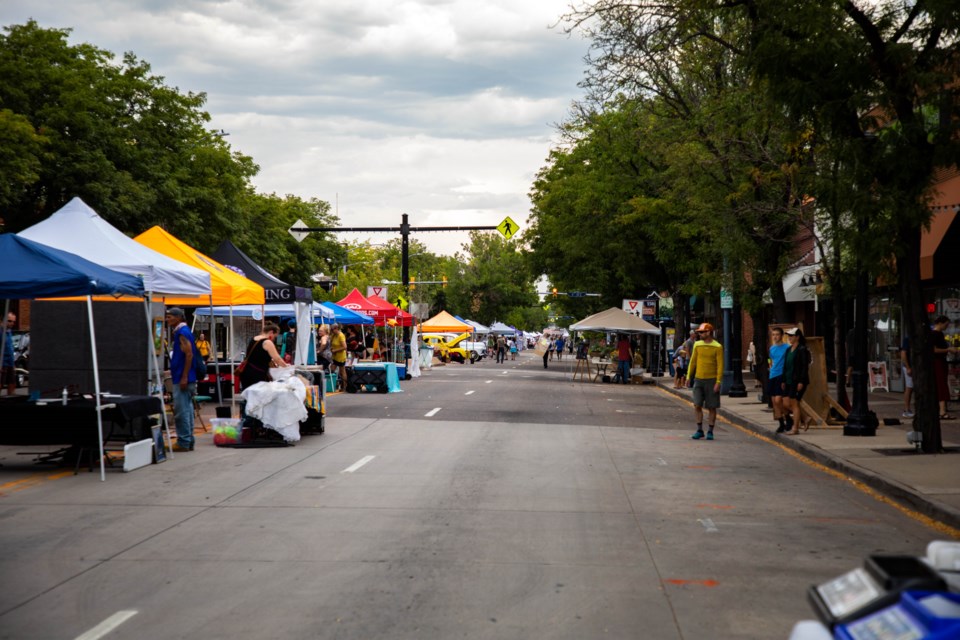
(275, 290)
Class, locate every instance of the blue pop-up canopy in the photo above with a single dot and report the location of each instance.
(32, 270)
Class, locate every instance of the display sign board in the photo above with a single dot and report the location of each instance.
(507, 228)
(380, 291)
(726, 299)
(633, 307)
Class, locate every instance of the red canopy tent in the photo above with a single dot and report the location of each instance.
(380, 310)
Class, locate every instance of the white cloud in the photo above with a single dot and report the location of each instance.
(441, 109)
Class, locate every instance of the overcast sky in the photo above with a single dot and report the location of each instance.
(442, 109)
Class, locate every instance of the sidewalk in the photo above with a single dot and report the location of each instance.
(927, 483)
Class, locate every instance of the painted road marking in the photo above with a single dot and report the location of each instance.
(431, 413)
(107, 625)
(489, 381)
(469, 393)
(661, 462)
(708, 525)
(32, 481)
(359, 463)
(683, 583)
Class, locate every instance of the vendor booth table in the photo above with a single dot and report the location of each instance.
(126, 418)
(382, 377)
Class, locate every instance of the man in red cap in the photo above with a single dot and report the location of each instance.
(704, 374)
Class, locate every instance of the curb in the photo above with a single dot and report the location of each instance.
(900, 493)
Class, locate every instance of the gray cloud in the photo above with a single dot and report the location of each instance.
(439, 108)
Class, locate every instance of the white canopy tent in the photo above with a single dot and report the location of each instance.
(80, 230)
(614, 319)
(479, 329)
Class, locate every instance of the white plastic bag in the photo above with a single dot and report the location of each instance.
(278, 405)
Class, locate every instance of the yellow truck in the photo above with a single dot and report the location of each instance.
(449, 347)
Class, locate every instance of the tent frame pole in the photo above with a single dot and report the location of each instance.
(147, 304)
(96, 387)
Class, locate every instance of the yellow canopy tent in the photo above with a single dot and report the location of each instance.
(228, 287)
(443, 322)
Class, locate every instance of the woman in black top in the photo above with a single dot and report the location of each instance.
(261, 354)
(796, 377)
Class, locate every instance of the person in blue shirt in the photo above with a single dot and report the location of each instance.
(8, 374)
(775, 387)
(183, 377)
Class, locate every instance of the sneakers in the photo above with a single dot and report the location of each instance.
(179, 449)
(907, 414)
(697, 435)
(709, 435)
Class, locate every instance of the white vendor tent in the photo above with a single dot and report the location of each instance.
(80, 230)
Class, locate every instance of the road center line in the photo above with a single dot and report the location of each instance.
(708, 525)
(661, 462)
(489, 381)
(359, 463)
(107, 625)
(431, 413)
(469, 393)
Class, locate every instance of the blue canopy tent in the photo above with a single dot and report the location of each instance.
(31, 270)
(325, 312)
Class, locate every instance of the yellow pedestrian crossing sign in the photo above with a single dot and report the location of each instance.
(507, 228)
(401, 302)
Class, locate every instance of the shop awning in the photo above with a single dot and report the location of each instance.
(945, 202)
(228, 287)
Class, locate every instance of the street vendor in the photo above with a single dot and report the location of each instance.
(261, 355)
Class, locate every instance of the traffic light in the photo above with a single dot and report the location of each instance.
(444, 285)
(554, 292)
(413, 283)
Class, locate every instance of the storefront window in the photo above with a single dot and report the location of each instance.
(947, 303)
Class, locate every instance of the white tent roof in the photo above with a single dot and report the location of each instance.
(502, 329)
(478, 328)
(80, 230)
(614, 319)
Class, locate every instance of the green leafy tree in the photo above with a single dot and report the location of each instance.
(113, 134)
(494, 279)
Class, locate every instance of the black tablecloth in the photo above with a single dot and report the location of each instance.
(28, 423)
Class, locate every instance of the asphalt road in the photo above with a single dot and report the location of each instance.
(485, 501)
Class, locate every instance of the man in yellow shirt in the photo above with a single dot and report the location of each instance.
(704, 374)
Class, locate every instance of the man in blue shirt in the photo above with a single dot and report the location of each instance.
(775, 388)
(183, 377)
(8, 375)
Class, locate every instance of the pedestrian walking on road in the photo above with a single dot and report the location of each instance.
(560, 344)
(796, 378)
(704, 375)
(775, 387)
(501, 349)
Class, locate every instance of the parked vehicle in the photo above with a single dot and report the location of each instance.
(449, 347)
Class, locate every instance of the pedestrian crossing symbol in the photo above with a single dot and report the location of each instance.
(401, 302)
(507, 228)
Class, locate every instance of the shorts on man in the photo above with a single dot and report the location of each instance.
(704, 394)
(775, 387)
(794, 393)
(907, 379)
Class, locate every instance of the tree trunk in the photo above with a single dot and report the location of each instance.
(916, 324)
(781, 309)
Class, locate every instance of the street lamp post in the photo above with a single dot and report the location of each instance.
(860, 421)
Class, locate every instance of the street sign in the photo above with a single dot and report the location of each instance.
(577, 294)
(401, 302)
(299, 235)
(726, 299)
(378, 291)
(633, 307)
(507, 228)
